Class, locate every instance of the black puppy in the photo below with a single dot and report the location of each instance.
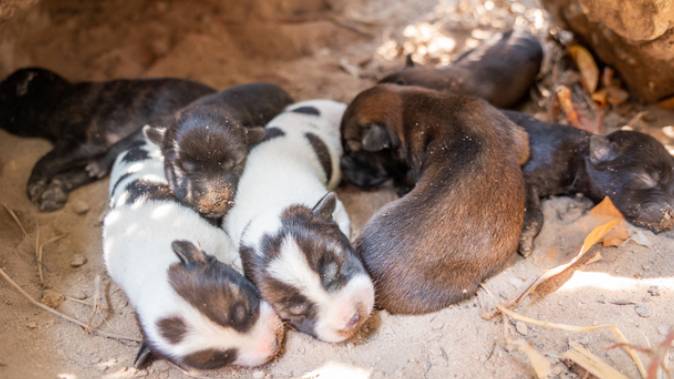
(206, 143)
(500, 71)
(82, 120)
(631, 168)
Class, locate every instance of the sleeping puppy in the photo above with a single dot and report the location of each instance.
(206, 143)
(461, 220)
(500, 71)
(293, 233)
(631, 168)
(82, 120)
(181, 274)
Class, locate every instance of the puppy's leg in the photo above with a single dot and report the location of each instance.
(533, 222)
(56, 192)
(100, 167)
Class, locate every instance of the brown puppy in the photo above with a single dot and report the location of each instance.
(461, 221)
(500, 71)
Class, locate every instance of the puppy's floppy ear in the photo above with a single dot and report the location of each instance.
(375, 138)
(254, 134)
(325, 206)
(409, 62)
(154, 134)
(188, 254)
(601, 150)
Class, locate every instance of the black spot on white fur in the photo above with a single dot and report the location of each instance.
(135, 153)
(118, 182)
(322, 153)
(143, 189)
(271, 133)
(307, 109)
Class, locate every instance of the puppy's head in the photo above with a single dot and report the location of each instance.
(25, 91)
(637, 173)
(372, 137)
(220, 320)
(311, 275)
(204, 155)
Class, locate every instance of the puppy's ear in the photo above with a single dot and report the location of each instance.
(254, 135)
(154, 134)
(375, 138)
(409, 62)
(188, 254)
(325, 206)
(601, 150)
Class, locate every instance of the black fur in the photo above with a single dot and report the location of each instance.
(307, 109)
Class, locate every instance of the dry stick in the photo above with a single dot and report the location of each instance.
(581, 329)
(16, 219)
(78, 301)
(40, 253)
(62, 315)
(94, 310)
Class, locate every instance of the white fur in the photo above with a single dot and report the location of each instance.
(137, 249)
(285, 171)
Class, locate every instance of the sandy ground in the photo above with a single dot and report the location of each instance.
(632, 286)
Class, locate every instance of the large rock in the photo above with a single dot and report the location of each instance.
(636, 37)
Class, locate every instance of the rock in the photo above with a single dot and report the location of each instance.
(663, 329)
(654, 291)
(78, 260)
(643, 311)
(31, 325)
(521, 328)
(52, 298)
(635, 37)
(80, 207)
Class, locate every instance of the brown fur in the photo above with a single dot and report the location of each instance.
(172, 328)
(461, 221)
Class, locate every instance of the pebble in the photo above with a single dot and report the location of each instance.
(31, 325)
(643, 311)
(663, 329)
(258, 374)
(81, 295)
(521, 328)
(654, 291)
(52, 298)
(80, 207)
(78, 260)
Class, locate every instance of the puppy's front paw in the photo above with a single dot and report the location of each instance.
(96, 169)
(53, 198)
(35, 189)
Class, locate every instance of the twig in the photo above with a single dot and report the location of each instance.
(39, 252)
(16, 219)
(53, 311)
(581, 329)
(97, 294)
(78, 301)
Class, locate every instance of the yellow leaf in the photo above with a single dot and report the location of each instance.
(589, 72)
(592, 363)
(607, 208)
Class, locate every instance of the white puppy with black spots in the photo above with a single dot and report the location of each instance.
(293, 233)
(181, 274)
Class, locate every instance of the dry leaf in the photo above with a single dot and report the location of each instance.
(667, 103)
(607, 77)
(590, 362)
(616, 96)
(600, 97)
(541, 365)
(620, 233)
(589, 72)
(566, 103)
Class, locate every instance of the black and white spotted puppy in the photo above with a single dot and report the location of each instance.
(293, 233)
(181, 274)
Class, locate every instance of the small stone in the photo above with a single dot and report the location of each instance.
(258, 374)
(80, 207)
(663, 330)
(654, 291)
(521, 328)
(52, 298)
(81, 295)
(78, 260)
(643, 311)
(31, 325)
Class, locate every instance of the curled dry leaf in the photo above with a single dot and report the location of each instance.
(606, 210)
(541, 365)
(566, 103)
(592, 363)
(667, 103)
(589, 73)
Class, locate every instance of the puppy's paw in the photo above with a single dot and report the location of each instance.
(35, 189)
(96, 169)
(53, 198)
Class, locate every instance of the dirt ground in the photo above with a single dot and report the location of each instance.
(314, 49)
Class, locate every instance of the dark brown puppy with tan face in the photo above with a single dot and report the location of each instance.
(500, 71)
(206, 143)
(461, 221)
